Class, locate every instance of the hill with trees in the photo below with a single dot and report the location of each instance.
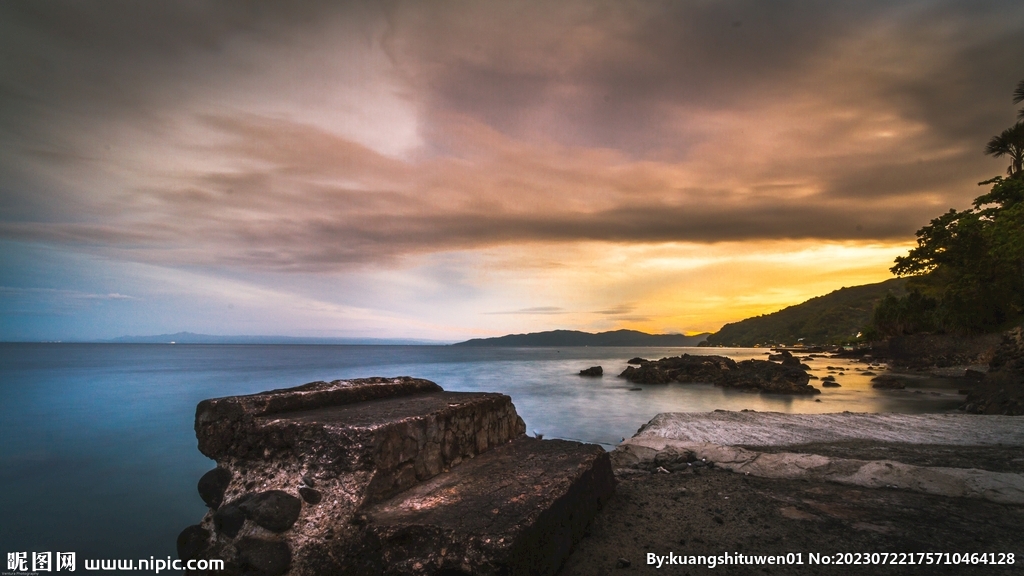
(834, 318)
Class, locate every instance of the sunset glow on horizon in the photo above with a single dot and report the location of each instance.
(449, 170)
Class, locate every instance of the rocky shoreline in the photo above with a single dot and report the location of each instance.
(990, 366)
(396, 476)
(686, 488)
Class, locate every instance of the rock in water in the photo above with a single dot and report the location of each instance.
(592, 371)
(721, 371)
(786, 358)
(770, 377)
(646, 374)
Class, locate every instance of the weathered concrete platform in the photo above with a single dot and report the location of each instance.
(737, 440)
(299, 469)
(413, 433)
(749, 428)
(516, 510)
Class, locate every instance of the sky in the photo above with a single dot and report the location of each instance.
(448, 170)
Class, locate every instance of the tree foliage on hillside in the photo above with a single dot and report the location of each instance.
(967, 271)
(834, 318)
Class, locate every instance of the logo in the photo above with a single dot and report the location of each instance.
(66, 561)
(17, 561)
(41, 562)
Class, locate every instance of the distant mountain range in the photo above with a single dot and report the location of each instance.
(830, 319)
(192, 338)
(833, 318)
(577, 338)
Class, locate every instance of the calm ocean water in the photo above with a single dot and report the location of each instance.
(98, 455)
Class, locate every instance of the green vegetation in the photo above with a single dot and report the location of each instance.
(966, 274)
(835, 318)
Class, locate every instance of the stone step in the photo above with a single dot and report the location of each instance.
(516, 510)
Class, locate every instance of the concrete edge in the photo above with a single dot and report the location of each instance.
(1000, 487)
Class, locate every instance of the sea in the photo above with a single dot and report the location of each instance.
(98, 453)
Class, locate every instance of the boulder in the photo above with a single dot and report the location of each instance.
(592, 371)
(229, 519)
(212, 486)
(275, 510)
(193, 542)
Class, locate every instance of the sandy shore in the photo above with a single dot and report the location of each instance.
(808, 484)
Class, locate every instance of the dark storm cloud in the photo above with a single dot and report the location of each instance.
(540, 122)
(615, 71)
(108, 54)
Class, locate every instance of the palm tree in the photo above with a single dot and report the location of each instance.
(1018, 97)
(1010, 143)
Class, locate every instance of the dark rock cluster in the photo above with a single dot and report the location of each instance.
(829, 382)
(275, 511)
(592, 371)
(786, 358)
(759, 375)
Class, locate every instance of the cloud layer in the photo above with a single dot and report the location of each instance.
(329, 138)
(623, 122)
